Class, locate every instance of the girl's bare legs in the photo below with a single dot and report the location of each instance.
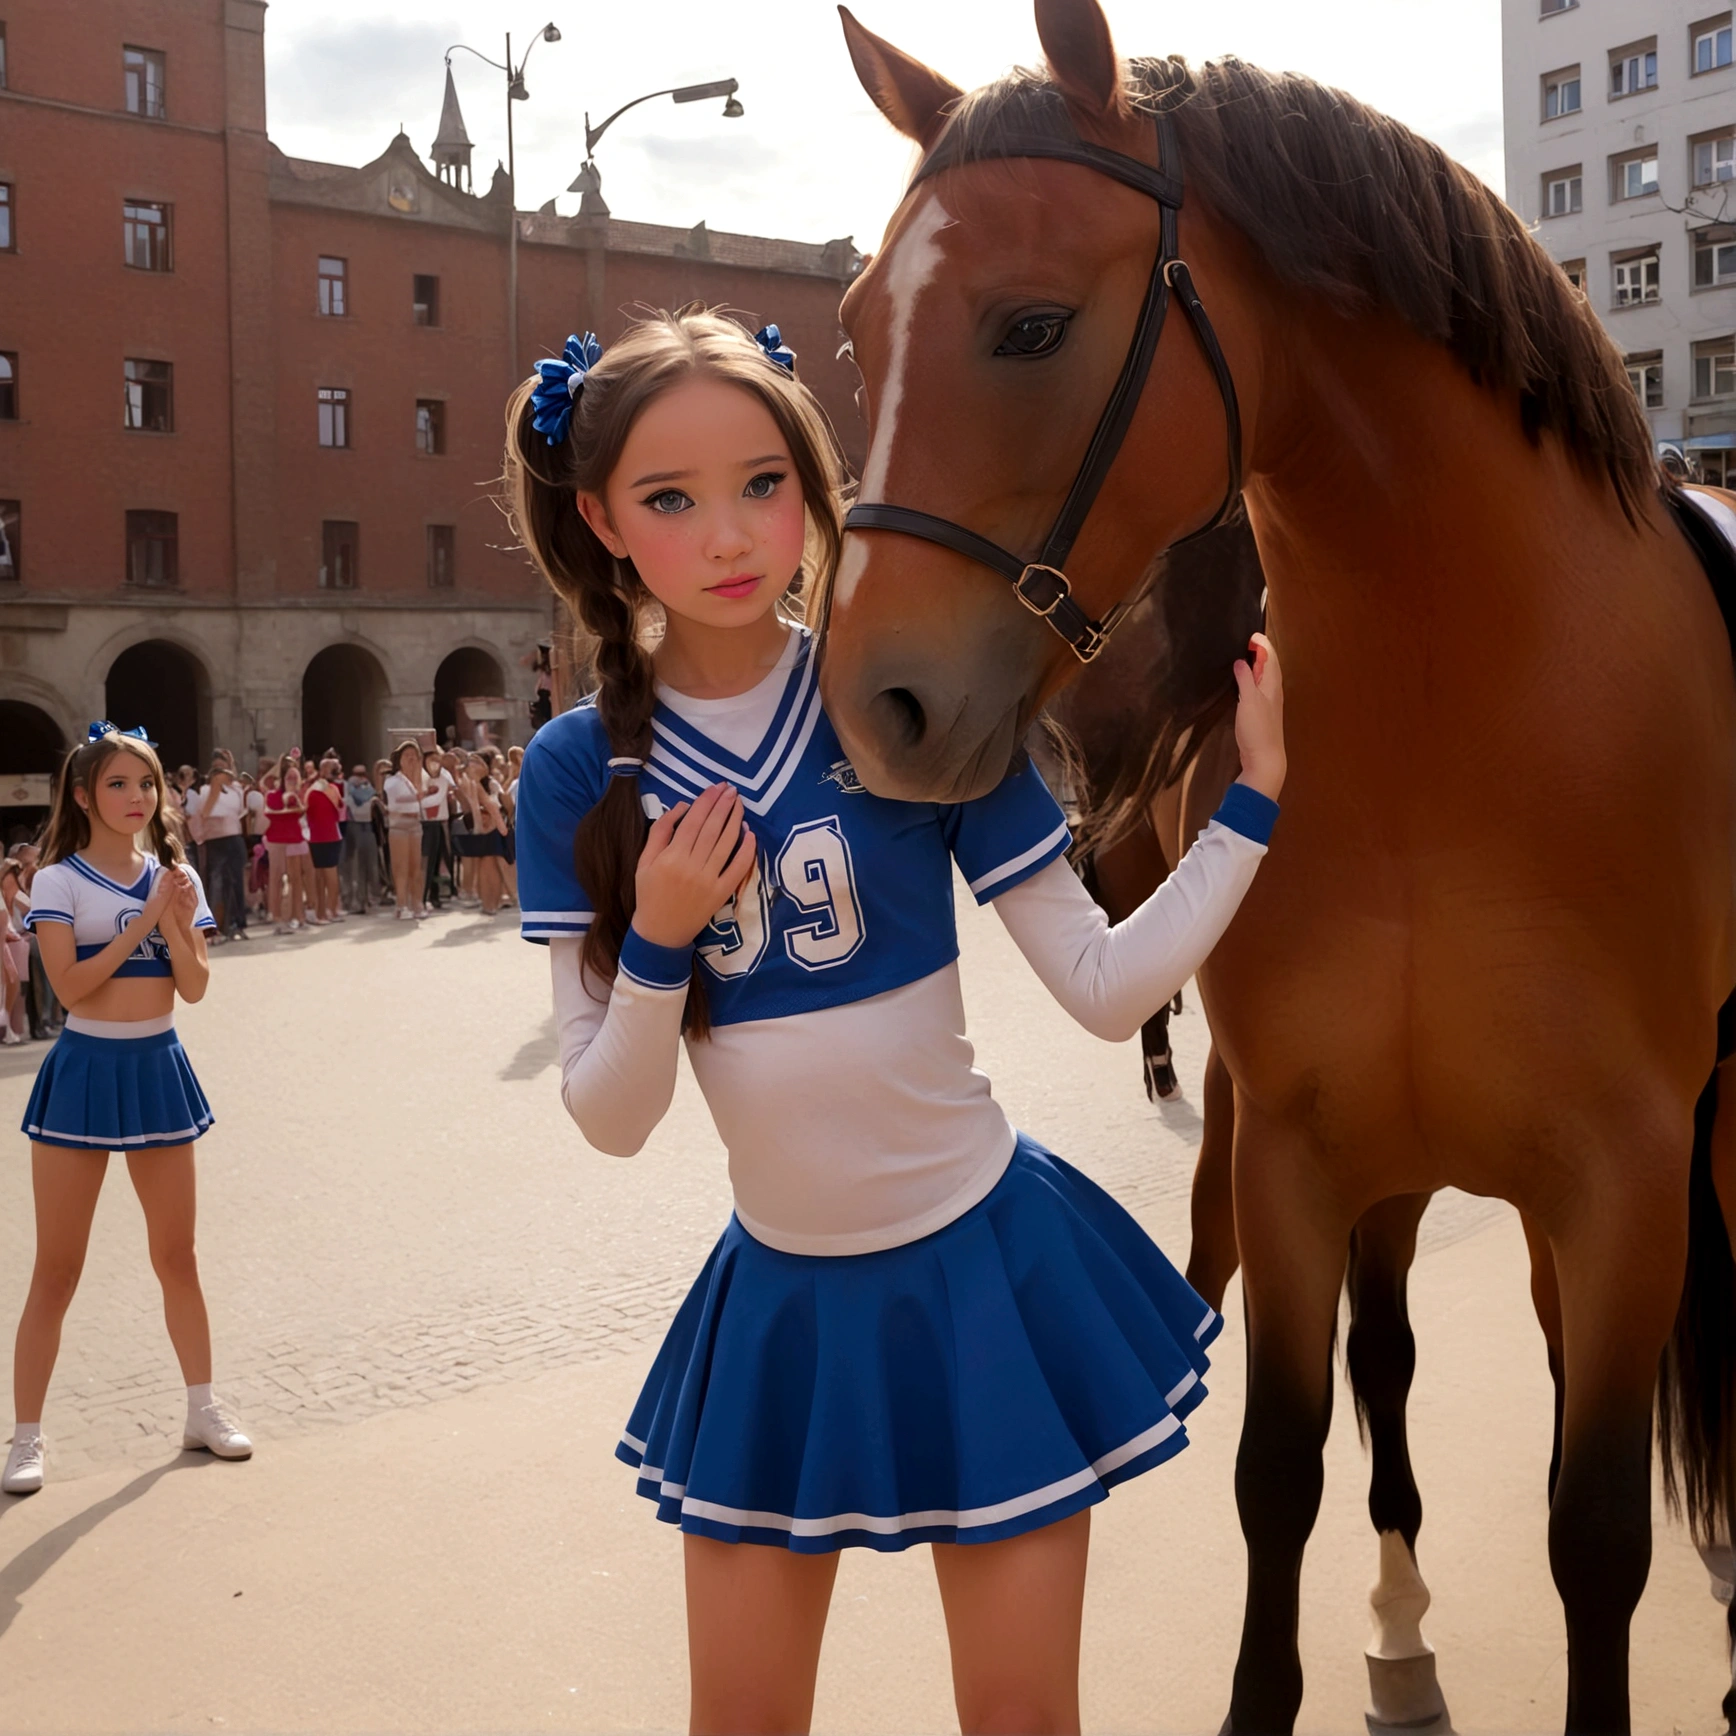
(488, 883)
(277, 865)
(1013, 1612)
(406, 870)
(65, 1184)
(163, 1180)
(298, 868)
(755, 1618)
(325, 893)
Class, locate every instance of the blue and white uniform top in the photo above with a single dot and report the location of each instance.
(99, 908)
(837, 1069)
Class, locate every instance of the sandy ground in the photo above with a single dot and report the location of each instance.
(434, 1306)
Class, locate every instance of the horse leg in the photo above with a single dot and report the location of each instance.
(1211, 1260)
(1380, 1353)
(1294, 1239)
(1546, 1301)
(1620, 1266)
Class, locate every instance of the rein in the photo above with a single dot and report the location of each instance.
(1041, 584)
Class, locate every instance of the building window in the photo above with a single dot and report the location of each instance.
(11, 558)
(1561, 93)
(153, 549)
(442, 541)
(1563, 193)
(8, 385)
(430, 426)
(1633, 69)
(1715, 159)
(1574, 271)
(1636, 278)
(1714, 256)
(339, 538)
(5, 216)
(1711, 44)
(1646, 376)
(1634, 177)
(144, 70)
(146, 229)
(333, 301)
(334, 416)
(425, 300)
(150, 395)
(1548, 7)
(2, 54)
(1715, 369)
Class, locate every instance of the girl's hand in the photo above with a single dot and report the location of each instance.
(184, 905)
(163, 890)
(697, 857)
(1260, 719)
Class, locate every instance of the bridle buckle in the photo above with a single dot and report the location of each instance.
(1059, 588)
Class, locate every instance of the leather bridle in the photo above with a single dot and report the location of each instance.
(1041, 584)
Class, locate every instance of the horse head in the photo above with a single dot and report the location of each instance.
(991, 330)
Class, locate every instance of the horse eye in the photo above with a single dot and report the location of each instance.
(1034, 335)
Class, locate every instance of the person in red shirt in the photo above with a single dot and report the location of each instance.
(325, 839)
(286, 846)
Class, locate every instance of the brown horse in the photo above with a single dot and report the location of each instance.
(1512, 721)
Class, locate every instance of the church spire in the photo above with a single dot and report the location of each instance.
(451, 151)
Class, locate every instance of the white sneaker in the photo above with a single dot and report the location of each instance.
(23, 1475)
(214, 1429)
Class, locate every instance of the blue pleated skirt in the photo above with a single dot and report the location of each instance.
(992, 1378)
(116, 1094)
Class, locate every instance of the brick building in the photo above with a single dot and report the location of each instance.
(251, 406)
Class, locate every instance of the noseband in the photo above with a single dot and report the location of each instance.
(1041, 584)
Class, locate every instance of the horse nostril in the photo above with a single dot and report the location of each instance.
(905, 712)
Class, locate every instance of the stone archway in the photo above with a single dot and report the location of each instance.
(343, 689)
(31, 748)
(467, 673)
(166, 689)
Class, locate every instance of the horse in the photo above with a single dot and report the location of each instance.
(1496, 931)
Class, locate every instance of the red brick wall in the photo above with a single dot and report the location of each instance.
(74, 311)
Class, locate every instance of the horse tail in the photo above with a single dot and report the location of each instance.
(1697, 1373)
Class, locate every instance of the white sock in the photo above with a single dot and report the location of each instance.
(26, 1432)
(197, 1398)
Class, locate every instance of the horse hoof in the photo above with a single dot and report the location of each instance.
(1405, 1696)
(1161, 1083)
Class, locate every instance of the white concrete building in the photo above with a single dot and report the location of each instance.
(1621, 153)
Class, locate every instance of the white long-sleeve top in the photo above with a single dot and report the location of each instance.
(867, 1125)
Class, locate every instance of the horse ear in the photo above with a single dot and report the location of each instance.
(914, 97)
(1081, 55)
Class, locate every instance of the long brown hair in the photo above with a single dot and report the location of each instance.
(68, 829)
(607, 595)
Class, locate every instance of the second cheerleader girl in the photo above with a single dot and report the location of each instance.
(121, 920)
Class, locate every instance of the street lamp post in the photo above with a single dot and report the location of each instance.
(515, 92)
(589, 182)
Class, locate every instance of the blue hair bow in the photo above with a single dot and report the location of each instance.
(771, 340)
(103, 727)
(553, 399)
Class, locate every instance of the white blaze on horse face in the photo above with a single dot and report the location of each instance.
(910, 268)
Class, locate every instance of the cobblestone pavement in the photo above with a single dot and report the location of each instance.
(395, 1208)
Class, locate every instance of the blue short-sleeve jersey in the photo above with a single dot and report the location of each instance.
(852, 893)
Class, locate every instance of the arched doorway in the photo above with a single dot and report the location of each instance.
(31, 747)
(166, 689)
(342, 690)
(467, 673)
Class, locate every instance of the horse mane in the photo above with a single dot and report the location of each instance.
(1344, 202)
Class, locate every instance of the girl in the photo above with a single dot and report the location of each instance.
(325, 840)
(286, 846)
(918, 1326)
(487, 832)
(403, 793)
(121, 921)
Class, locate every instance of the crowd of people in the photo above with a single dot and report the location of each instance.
(297, 844)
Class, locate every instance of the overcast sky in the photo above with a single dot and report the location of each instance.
(811, 159)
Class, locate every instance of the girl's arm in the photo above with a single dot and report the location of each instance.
(617, 1056)
(189, 958)
(73, 978)
(1113, 979)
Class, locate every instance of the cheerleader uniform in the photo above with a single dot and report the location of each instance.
(113, 1084)
(918, 1325)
